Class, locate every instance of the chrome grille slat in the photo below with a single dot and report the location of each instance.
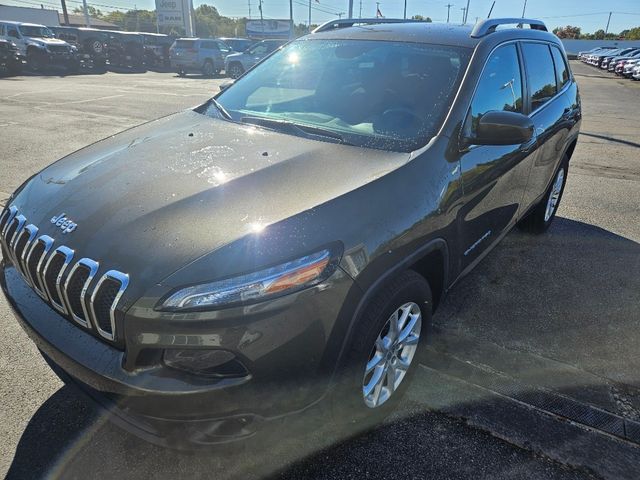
(93, 266)
(117, 276)
(67, 253)
(37, 282)
(54, 276)
(27, 234)
(12, 211)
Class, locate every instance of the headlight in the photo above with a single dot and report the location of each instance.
(271, 282)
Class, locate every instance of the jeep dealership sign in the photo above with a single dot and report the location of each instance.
(175, 13)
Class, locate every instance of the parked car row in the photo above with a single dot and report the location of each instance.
(621, 61)
(210, 56)
(38, 47)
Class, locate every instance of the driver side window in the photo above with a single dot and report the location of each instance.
(13, 33)
(499, 88)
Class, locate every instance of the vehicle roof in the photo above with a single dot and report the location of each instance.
(427, 32)
(234, 38)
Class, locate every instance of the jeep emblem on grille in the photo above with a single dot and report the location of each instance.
(65, 223)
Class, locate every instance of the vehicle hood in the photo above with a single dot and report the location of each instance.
(46, 41)
(156, 197)
(238, 56)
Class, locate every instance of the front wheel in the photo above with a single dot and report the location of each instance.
(208, 69)
(540, 218)
(235, 70)
(384, 350)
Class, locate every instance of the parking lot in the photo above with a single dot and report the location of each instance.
(545, 330)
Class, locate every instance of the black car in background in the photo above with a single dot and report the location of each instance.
(11, 60)
(92, 44)
(156, 49)
(126, 50)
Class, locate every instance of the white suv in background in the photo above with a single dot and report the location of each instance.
(39, 44)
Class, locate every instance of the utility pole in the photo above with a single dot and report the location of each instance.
(524, 8)
(135, 7)
(309, 16)
(377, 8)
(249, 8)
(606, 30)
(64, 12)
(405, 9)
(491, 9)
(350, 8)
(360, 16)
(87, 20)
(449, 10)
(292, 25)
(261, 20)
(466, 12)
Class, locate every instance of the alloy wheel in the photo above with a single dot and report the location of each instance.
(554, 196)
(392, 354)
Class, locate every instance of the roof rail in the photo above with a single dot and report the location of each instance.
(350, 22)
(488, 25)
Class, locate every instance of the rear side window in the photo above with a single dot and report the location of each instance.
(209, 45)
(540, 73)
(185, 43)
(562, 72)
(500, 86)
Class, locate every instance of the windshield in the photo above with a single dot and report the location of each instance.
(385, 95)
(36, 31)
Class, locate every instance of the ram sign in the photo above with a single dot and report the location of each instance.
(174, 13)
(268, 29)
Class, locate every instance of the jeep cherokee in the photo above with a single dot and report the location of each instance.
(288, 241)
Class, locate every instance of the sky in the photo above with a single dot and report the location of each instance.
(590, 15)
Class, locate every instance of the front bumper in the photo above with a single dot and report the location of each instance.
(289, 350)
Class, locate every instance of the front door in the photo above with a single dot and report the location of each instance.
(493, 177)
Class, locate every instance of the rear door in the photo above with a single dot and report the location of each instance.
(547, 79)
(493, 177)
(185, 51)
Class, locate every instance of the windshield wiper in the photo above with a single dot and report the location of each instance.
(309, 131)
(221, 109)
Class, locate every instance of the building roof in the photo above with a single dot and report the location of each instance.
(78, 21)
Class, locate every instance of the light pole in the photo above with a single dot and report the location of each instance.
(606, 30)
(464, 11)
(524, 8)
(405, 9)
(448, 11)
(350, 8)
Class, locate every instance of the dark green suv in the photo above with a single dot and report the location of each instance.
(287, 242)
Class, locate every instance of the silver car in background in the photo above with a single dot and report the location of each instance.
(238, 63)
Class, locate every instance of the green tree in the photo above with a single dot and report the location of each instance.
(567, 32)
(634, 34)
(421, 18)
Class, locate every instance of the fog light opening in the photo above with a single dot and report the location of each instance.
(205, 363)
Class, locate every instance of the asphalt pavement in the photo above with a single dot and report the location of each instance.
(553, 315)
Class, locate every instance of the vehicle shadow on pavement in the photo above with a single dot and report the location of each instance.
(570, 296)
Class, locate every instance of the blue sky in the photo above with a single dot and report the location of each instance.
(591, 15)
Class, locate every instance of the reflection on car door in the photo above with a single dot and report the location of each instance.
(551, 118)
(493, 177)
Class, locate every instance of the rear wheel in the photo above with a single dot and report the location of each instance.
(208, 69)
(540, 218)
(384, 351)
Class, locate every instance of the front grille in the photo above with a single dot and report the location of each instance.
(65, 284)
(58, 48)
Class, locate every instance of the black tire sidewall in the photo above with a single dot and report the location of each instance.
(347, 401)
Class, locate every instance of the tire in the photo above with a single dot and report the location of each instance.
(542, 215)
(350, 401)
(182, 73)
(35, 60)
(235, 70)
(208, 69)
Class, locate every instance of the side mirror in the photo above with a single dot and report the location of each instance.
(502, 128)
(225, 85)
